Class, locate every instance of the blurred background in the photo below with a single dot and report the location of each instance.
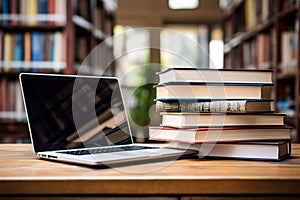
(58, 36)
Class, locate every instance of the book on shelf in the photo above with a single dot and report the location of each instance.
(190, 120)
(33, 51)
(263, 50)
(37, 46)
(215, 75)
(240, 106)
(7, 51)
(263, 150)
(18, 47)
(214, 90)
(249, 54)
(11, 102)
(288, 52)
(219, 134)
(33, 12)
(250, 13)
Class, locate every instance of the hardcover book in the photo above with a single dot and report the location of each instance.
(240, 106)
(216, 75)
(264, 150)
(213, 91)
(191, 120)
(218, 134)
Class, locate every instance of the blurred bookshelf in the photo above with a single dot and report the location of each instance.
(46, 36)
(265, 35)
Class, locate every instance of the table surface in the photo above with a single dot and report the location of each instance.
(22, 173)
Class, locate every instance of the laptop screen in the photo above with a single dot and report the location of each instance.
(66, 112)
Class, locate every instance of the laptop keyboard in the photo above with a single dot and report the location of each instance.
(105, 150)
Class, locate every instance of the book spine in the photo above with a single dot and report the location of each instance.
(18, 48)
(5, 10)
(37, 46)
(51, 10)
(27, 49)
(213, 106)
(7, 54)
(1, 51)
(31, 11)
(42, 9)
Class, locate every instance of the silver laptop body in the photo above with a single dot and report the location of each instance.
(82, 119)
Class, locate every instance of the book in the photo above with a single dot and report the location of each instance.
(27, 49)
(250, 14)
(7, 51)
(215, 75)
(288, 52)
(37, 46)
(51, 10)
(31, 11)
(1, 50)
(218, 134)
(213, 90)
(190, 120)
(18, 48)
(61, 10)
(5, 10)
(42, 8)
(241, 106)
(264, 150)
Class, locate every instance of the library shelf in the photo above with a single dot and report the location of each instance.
(265, 35)
(42, 36)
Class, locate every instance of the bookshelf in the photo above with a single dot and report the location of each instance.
(47, 36)
(265, 35)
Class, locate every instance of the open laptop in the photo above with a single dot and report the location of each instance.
(82, 119)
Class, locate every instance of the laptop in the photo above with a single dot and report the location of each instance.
(83, 120)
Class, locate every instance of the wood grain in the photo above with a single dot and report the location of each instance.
(22, 173)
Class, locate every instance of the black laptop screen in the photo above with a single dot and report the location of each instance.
(66, 112)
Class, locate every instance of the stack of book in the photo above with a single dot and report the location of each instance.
(230, 109)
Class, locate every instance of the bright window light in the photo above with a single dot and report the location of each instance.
(216, 54)
(183, 4)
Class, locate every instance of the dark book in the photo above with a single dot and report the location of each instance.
(240, 106)
(192, 120)
(264, 150)
(5, 11)
(18, 50)
(213, 90)
(1, 48)
(218, 134)
(216, 75)
(42, 8)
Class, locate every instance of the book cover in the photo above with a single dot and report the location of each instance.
(5, 11)
(18, 54)
(61, 9)
(42, 9)
(241, 106)
(31, 11)
(4, 94)
(215, 75)
(47, 45)
(192, 120)
(51, 10)
(213, 90)
(13, 9)
(219, 134)
(1, 49)
(27, 49)
(263, 150)
(8, 51)
(37, 46)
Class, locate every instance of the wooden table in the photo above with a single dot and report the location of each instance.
(23, 175)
